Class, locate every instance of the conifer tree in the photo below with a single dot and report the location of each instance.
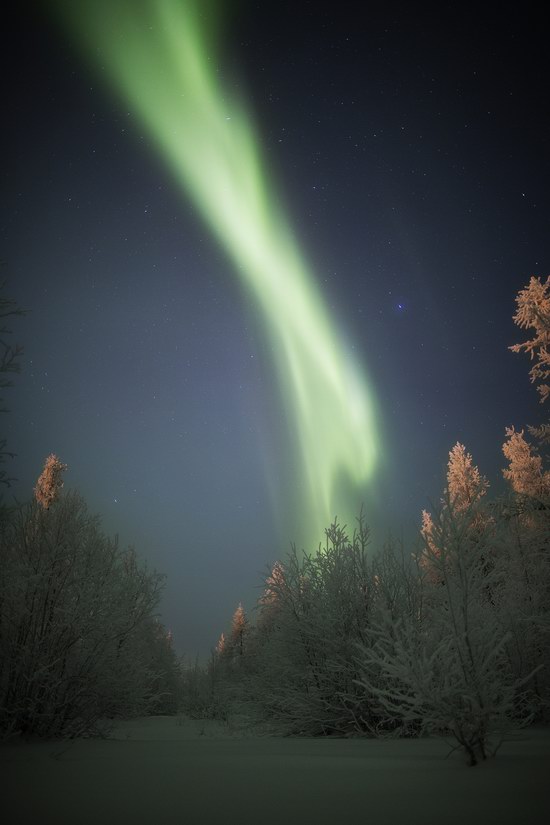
(465, 488)
(533, 312)
(271, 600)
(239, 626)
(465, 484)
(524, 472)
(444, 668)
(273, 585)
(50, 482)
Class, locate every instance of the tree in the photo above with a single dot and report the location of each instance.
(314, 609)
(465, 484)
(522, 597)
(163, 669)
(444, 667)
(75, 614)
(273, 584)
(533, 312)
(239, 628)
(50, 482)
(524, 472)
(465, 489)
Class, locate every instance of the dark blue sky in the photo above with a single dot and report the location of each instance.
(414, 153)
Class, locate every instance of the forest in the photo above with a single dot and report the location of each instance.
(449, 637)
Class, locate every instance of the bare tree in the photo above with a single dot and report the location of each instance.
(525, 471)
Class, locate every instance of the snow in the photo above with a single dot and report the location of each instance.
(164, 770)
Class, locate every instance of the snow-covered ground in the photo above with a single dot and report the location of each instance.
(176, 770)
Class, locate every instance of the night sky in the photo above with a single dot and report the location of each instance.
(413, 153)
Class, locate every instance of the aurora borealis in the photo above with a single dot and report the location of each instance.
(286, 295)
(158, 55)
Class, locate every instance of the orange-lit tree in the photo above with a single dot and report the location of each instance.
(50, 482)
(465, 489)
(239, 629)
(533, 312)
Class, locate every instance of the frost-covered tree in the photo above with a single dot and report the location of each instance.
(465, 484)
(444, 668)
(525, 472)
(199, 683)
(239, 629)
(273, 583)
(533, 312)
(524, 556)
(210, 690)
(466, 487)
(522, 598)
(314, 609)
(164, 669)
(50, 482)
(75, 614)
(524, 562)
(270, 599)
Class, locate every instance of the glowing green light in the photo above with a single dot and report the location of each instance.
(157, 54)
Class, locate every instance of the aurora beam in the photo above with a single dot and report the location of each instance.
(160, 56)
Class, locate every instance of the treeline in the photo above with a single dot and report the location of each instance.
(79, 639)
(452, 640)
(450, 637)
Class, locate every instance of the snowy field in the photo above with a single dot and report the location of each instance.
(175, 770)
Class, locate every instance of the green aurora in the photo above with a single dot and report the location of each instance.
(161, 57)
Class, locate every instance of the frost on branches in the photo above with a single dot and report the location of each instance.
(524, 472)
(465, 484)
(533, 312)
(50, 482)
(446, 668)
(465, 489)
